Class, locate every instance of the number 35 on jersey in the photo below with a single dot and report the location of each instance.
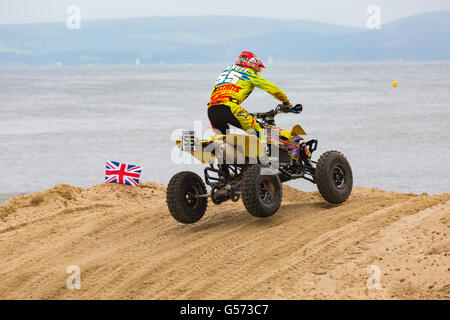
(229, 76)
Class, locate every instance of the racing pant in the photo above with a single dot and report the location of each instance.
(221, 116)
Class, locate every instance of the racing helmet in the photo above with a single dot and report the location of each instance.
(250, 60)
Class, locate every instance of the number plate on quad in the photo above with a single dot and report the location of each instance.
(188, 140)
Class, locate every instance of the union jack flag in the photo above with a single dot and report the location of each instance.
(122, 173)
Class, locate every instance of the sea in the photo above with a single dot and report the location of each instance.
(60, 124)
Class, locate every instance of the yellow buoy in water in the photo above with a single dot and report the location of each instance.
(394, 84)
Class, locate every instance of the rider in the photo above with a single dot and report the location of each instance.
(232, 87)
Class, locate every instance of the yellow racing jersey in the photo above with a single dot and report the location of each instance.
(236, 83)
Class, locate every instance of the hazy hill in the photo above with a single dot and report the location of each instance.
(219, 38)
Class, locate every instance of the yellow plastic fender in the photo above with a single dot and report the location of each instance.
(200, 153)
(235, 147)
(245, 145)
(296, 130)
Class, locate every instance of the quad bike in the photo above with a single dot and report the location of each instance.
(243, 166)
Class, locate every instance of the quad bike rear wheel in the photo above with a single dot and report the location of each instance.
(261, 192)
(183, 199)
(334, 177)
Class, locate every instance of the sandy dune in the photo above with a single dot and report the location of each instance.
(129, 247)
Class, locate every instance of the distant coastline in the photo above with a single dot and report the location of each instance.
(173, 40)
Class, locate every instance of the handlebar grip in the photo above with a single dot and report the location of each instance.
(297, 108)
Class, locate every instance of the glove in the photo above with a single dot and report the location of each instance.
(297, 108)
(286, 107)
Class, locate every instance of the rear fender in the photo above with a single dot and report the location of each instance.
(235, 148)
(246, 145)
(202, 151)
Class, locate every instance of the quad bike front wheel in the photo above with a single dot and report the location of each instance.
(334, 177)
(183, 199)
(261, 191)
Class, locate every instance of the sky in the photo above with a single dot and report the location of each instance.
(342, 12)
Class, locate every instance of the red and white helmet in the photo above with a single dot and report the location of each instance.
(250, 60)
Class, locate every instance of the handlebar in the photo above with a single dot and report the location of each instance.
(272, 113)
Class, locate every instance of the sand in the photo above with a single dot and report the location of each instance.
(128, 246)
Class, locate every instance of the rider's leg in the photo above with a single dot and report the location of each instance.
(222, 115)
(247, 122)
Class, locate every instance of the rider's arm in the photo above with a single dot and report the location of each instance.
(270, 88)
